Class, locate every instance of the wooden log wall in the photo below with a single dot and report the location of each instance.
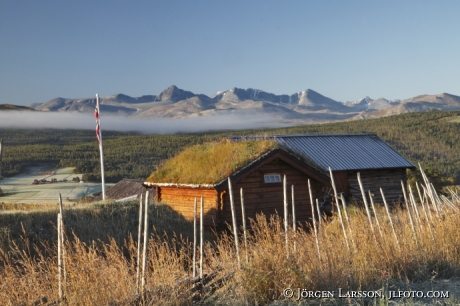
(267, 198)
(389, 180)
(182, 199)
(341, 182)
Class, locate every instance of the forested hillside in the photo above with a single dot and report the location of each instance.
(431, 138)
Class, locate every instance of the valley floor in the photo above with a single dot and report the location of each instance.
(21, 188)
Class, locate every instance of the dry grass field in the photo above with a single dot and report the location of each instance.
(414, 247)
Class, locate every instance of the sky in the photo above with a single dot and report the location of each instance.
(345, 50)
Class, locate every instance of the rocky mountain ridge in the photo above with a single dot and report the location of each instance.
(305, 106)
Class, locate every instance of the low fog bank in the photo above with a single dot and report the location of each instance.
(57, 120)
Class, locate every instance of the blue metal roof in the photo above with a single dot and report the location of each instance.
(341, 151)
(345, 151)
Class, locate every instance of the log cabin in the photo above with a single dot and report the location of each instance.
(258, 165)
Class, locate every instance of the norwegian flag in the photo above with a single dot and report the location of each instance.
(98, 133)
(99, 140)
(96, 115)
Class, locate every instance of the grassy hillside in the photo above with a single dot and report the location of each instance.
(431, 138)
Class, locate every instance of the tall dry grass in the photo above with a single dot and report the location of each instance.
(367, 265)
(98, 222)
(100, 253)
(104, 272)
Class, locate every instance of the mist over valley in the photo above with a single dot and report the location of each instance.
(176, 110)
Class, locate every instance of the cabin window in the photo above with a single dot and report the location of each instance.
(272, 178)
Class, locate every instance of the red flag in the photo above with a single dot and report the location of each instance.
(98, 132)
(96, 115)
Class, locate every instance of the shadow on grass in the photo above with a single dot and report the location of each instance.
(95, 223)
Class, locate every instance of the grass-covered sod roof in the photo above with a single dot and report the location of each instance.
(210, 163)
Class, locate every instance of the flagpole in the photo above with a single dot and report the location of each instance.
(100, 147)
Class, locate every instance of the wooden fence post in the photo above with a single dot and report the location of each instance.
(201, 236)
(139, 235)
(61, 210)
(59, 223)
(320, 217)
(414, 206)
(286, 216)
(344, 204)
(389, 218)
(194, 239)
(429, 190)
(146, 236)
(313, 218)
(243, 215)
(422, 200)
(235, 228)
(409, 213)
(338, 208)
(366, 205)
(375, 215)
(424, 211)
(294, 221)
(436, 196)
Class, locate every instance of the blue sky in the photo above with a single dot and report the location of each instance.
(345, 50)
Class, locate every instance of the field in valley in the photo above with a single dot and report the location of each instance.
(20, 188)
(455, 120)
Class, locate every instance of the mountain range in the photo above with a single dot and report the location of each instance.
(307, 106)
